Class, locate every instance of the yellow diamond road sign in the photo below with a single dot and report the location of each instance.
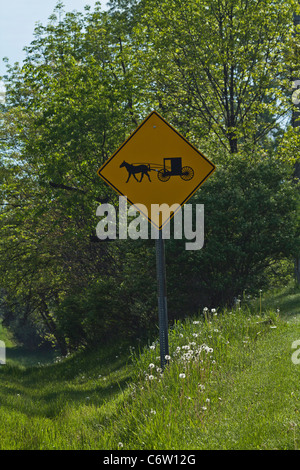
(156, 165)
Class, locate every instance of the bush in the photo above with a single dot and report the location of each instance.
(250, 225)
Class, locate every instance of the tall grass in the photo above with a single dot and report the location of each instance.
(229, 383)
(169, 408)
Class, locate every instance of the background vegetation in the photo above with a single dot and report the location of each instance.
(220, 72)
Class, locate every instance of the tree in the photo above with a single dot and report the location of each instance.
(217, 67)
(296, 118)
(66, 112)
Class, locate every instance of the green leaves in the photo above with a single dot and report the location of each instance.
(222, 64)
(219, 71)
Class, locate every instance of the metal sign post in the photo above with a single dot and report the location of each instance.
(162, 300)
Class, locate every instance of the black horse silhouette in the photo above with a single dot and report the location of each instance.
(134, 169)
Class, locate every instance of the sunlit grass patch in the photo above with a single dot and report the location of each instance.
(205, 353)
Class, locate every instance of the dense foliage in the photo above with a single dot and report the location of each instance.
(219, 71)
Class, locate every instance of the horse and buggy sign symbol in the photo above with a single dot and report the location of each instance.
(163, 174)
(156, 165)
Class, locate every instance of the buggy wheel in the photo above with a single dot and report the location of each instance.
(187, 173)
(163, 176)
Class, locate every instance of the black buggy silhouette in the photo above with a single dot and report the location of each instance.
(176, 169)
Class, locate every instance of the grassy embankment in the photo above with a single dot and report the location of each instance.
(230, 384)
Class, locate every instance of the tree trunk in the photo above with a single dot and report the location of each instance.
(296, 124)
(61, 343)
(297, 270)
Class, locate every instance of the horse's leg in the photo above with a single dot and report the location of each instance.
(129, 174)
(135, 177)
(148, 176)
(142, 176)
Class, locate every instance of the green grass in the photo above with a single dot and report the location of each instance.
(287, 300)
(60, 405)
(239, 391)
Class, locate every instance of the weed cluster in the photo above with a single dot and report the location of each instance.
(178, 399)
